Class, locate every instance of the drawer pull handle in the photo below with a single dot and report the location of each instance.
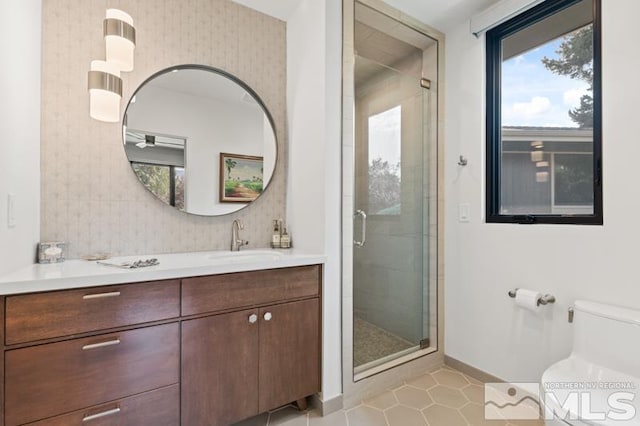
(100, 415)
(268, 316)
(101, 295)
(101, 344)
(253, 318)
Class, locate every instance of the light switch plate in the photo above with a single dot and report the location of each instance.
(463, 212)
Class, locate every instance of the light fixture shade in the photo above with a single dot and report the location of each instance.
(120, 39)
(537, 156)
(105, 91)
(542, 176)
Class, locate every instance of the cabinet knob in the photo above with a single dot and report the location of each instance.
(253, 318)
(268, 316)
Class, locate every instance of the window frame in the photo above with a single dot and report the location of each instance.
(494, 39)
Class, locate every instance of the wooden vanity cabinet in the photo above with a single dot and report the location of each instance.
(2, 410)
(71, 375)
(198, 351)
(91, 355)
(239, 364)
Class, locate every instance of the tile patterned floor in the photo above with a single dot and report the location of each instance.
(445, 397)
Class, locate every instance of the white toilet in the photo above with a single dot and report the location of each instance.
(599, 383)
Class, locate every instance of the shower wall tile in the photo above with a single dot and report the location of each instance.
(90, 197)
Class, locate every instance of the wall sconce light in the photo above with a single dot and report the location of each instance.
(105, 91)
(120, 39)
(105, 84)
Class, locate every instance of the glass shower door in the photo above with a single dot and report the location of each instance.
(391, 219)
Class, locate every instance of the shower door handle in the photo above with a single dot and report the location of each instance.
(363, 215)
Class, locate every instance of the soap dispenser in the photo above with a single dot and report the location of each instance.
(275, 238)
(285, 239)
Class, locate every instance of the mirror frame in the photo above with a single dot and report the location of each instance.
(234, 79)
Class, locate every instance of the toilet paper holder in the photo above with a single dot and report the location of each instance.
(543, 300)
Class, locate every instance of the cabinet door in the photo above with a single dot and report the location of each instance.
(220, 369)
(289, 353)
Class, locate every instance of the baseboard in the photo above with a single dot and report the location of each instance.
(471, 371)
(327, 407)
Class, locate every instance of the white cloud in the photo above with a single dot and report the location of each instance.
(571, 98)
(539, 111)
(538, 105)
(520, 59)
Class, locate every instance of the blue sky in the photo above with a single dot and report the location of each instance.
(533, 95)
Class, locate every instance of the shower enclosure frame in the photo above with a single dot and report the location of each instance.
(393, 373)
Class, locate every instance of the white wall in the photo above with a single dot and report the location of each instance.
(20, 48)
(484, 261)
(313, 186)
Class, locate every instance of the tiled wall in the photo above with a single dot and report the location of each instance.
(90, 197)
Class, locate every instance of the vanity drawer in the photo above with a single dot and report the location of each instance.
(238, 290)
(63, 313)
(48, 380)
(160, 407)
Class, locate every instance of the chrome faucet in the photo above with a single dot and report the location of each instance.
(236, 242)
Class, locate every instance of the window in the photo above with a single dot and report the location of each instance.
(544, 116)
(165, 182)
(385, 142)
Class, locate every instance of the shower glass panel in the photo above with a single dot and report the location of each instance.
(394, 212)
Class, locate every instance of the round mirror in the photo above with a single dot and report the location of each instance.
(200, 140)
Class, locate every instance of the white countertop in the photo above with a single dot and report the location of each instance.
(82, 273)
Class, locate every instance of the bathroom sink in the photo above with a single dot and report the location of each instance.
(247, 256)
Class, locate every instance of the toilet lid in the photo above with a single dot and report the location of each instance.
(582, 393)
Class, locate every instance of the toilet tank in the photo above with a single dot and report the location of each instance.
(607, 335)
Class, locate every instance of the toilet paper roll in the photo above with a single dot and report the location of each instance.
(528, 299)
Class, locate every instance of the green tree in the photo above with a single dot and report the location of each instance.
(384, 186)
(179, 188)
(230, 165)
(155, 178)
(576, 61)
